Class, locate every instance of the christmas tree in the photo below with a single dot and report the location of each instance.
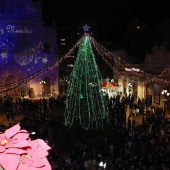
(85, 104)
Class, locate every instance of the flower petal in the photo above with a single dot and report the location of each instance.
(9, 161)
(2, 149)
(41, 144)
(38, 162)
(47, 164)
(22, 134)
(42, 153)
(16, 151)
(2, 136)
(18, 144)
(23, 167)
(12, 131)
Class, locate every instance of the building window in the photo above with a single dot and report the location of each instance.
(46, 47)
(9, 8)
(17, 9)
(2, 7)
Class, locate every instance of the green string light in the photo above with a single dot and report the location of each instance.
(85, 103)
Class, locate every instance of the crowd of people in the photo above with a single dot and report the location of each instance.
(120, 146)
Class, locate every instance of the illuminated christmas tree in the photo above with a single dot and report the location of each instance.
(85, 103)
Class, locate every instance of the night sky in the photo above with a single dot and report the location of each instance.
(113, 16)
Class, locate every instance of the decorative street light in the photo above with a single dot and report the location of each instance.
(130, 95)
(42, 83)
(166, 94)
(130, 88)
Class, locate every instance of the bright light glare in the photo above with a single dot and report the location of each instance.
(102, 164)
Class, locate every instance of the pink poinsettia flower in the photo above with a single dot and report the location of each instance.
(5, 137)
(12, 144)
(36, 157)
(18, 152)
(22, 134)
(9, 161)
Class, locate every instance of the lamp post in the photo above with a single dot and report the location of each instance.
(130, 88)
(29, 90)
(166, 94)
(42, 84)
(130, 95)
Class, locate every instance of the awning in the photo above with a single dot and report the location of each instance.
(110, 85)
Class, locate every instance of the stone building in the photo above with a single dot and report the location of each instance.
(157, 66)
(26, 47)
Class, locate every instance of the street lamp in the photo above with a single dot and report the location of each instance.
(166, 94)
(130, 96)
(129, 87)
(42, 83)
(29, 89)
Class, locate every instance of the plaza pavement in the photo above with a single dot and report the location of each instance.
(4, 121)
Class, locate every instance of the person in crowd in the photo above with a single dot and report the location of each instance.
(140, 146)
(149, 109)
(8, 116)
(133, 112)
(137, 111)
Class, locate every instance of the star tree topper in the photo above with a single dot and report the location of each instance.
(86, 28)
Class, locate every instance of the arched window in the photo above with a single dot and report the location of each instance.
(47, 85)
(11, 79)
(46, 47)
(2, 7)
(17, 9)
(9, 8)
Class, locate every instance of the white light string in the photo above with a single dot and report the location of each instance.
(102, 51)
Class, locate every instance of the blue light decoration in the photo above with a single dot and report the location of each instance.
(22, 39)
(86, 28)
(9, 40)
(3, 57)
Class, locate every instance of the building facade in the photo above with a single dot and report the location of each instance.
(27, 47)
(156, 66)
